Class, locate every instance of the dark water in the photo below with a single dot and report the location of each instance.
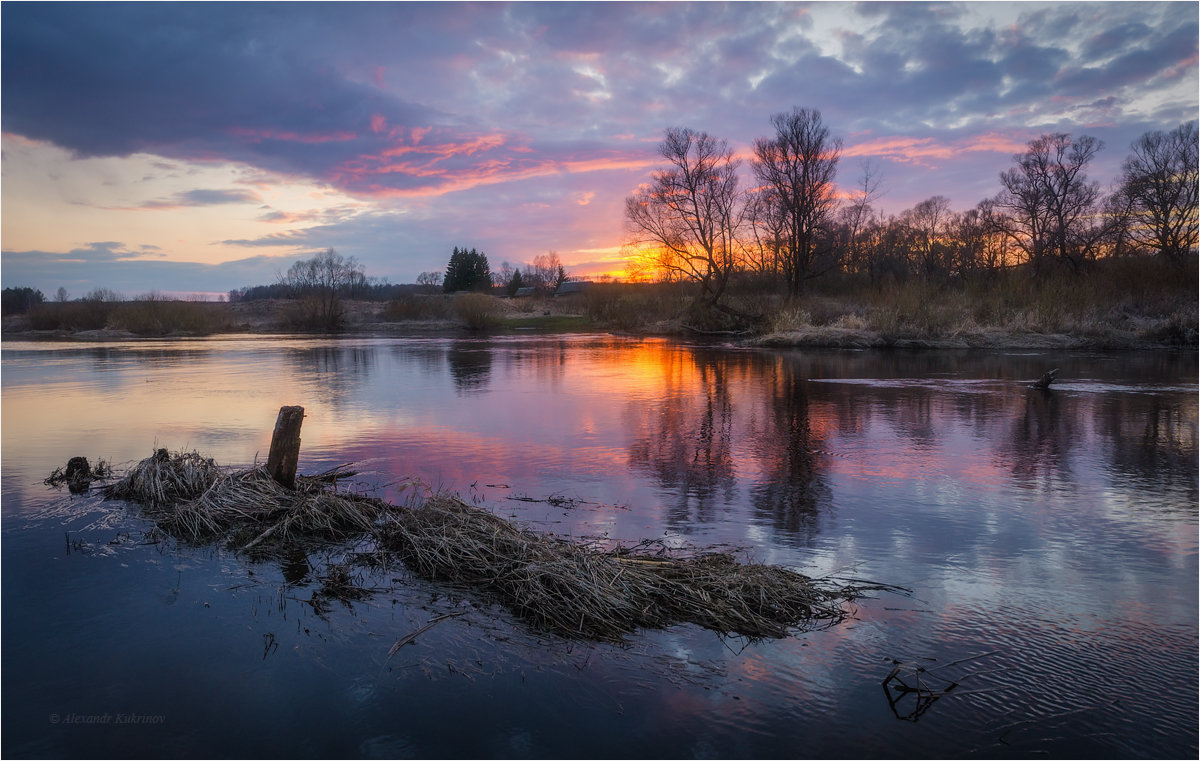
(1057, 532)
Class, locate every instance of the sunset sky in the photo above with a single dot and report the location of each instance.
(202, 147)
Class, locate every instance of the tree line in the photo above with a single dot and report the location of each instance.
(693, 221)
(469, 270)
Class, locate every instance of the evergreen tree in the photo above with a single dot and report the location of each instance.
(467, 271)
(515, 284)
(21, 300)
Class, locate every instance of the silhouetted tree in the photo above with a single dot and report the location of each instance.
(320, 284)
(546, 272)
(1049, 201)
(20, 300)
(799, 164)
(687, 218)
(928, 224)
(430, 280)
(1158, 192)
(514, 283)
(467, 271)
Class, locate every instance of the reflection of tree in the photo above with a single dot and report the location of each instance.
(1040, 441)
(335, 371)
(792, 491)
(685, 440)
(545, 361)
(1153, 440)
(470, 366)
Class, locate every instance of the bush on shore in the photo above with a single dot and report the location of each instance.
(478, 311)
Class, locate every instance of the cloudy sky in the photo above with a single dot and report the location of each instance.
(202, 147)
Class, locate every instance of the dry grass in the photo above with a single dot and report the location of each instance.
(576, 590)
(193, 499)
(1117, 304)
(573, 589)
(478, 311)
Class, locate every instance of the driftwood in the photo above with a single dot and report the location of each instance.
(1044, 382)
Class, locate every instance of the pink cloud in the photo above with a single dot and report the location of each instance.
(925, 151)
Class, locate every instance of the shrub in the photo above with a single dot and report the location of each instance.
(478, 311)
(72, 315)
(418, 307)
(156, 317)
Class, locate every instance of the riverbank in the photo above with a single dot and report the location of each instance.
(1141, 308)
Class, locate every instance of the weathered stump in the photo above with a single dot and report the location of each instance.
(285, 446)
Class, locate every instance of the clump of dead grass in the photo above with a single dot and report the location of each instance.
(577, 590)
(572, 588)
(192, 498)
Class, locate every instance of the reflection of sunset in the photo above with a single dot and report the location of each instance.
(936, 472)
(685, 434)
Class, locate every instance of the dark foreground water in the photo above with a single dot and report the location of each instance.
(1055, 531)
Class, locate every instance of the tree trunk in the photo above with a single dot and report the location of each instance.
(285, 446)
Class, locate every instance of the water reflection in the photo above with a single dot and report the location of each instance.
(1037, 450)
(470, 366)
(331, 372)
(684, 440)
(1058, 529)
(792, 490)
(1153, 443)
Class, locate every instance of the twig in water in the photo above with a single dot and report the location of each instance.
(410, 637)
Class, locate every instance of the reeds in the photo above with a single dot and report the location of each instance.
(572, 588)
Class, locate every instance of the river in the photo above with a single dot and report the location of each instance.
(1051, 534)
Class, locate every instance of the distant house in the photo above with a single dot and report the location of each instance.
(571, 287)
(528, 290)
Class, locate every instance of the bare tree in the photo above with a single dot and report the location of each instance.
(431, 280)
(856, 215)
(1158, 192)
(687, 218)
(799, 163)
(1049, 201)
(546, 272)
(503, 275)
(980, 242)
(320, 283)
(767, 224)
(929, 223)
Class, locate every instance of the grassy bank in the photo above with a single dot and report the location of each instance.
(1118, 304)
(1115, 304)
(149, 317)
(1123, 304)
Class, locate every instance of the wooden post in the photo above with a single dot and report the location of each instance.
(285, 446)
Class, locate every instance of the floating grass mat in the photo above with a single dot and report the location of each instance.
(192, 498)
(575, 589)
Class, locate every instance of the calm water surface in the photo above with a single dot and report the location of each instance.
(1056, 531)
